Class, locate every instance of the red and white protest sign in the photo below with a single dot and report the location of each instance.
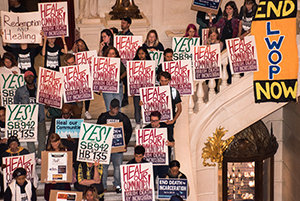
(205, 33)
(13, 162)
(140, 74)
(207, 62)
(106, 74)
(77, 83)
(21, 27)
(54, 18)
(127, 46)
(154, 141)
(181, 75)
(50, 88)
(156, 99)
(242, 54)
(85, 58)
(137, 182)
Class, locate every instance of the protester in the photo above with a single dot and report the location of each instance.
(20, 189)
(191, 31)
(90, 194)
(168, 56)
(114, 116)
(27, 95)
(139, 153)
(174, 171)
(9, 64)
(246, 16)
(203, 20)
(114, 53)
(55, 145)
(152, 43)
(89, 174)
(14, 148)
(106, 40)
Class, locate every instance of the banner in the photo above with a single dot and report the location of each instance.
(154, 142)
(9, 84)
(77, 83)
(207, 62)
(274, 28)
(65, 127)
(13, 162)
(54, 16)
(242, 55)
(50, 86)
(181, 75)
(183, 47)
(22, 121)
(106, 74)
(21, 27)
(85, 58)
(156, 99)
(137, 182)
(205, 33)
(140, 74)
(168, 187)
(95, 143)
(127, 46)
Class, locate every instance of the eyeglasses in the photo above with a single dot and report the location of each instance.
(154, 121)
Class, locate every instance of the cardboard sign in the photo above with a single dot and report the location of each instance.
(85, 58)
(77, 83)
(137, 182)
(56, 166)
(207, 62)
(183, 47)
(118, 141)
(22, 121)
(106, 74)
(158, 57)
(54, 18)
(156, 99)
(206, 5)
(50, 88)
(140, 74)
(95, 143)
(168, 187)
(242, 55)
(205, 33)
(127, 46)
(21, 27)
(154, 142)
(13, 162)
(60, 195)
(181, 74)
(9, 83)
(65, 127)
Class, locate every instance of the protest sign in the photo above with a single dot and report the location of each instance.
(65, 127)
(205, 33)
(137, 182)
(13, 162)
(77, 83)
(242, 54)
(168, 187)
(211, 6)
(183, 47)
(118, 141)
(157, 56)
(95, 143)
(207, 62)
(85, 58)
(21, 27)
(60, 195)
(57, 166)
(156, 99)
(154, 142)
(181, 74)
(22, 121)
(50, 86)
(54, 18)
(9, 84)
(127, 46)
(106, 74)
(140, 74)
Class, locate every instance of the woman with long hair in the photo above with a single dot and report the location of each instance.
(106, 40)
(152, 43)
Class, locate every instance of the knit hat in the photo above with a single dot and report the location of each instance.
(27, 73)
(19, 172)
(12, 139)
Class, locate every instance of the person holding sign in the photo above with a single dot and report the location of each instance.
(152, 43)
(191, 31)
(107, 39)
(168, 56)
(113, 116)
(27, 95)
(20, 188)
(89, 174)
(174, 171)
(13, 150)
(247, 13)
(9, 64)
(55, 144)
(203, 20)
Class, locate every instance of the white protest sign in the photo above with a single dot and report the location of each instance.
(9, 83)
